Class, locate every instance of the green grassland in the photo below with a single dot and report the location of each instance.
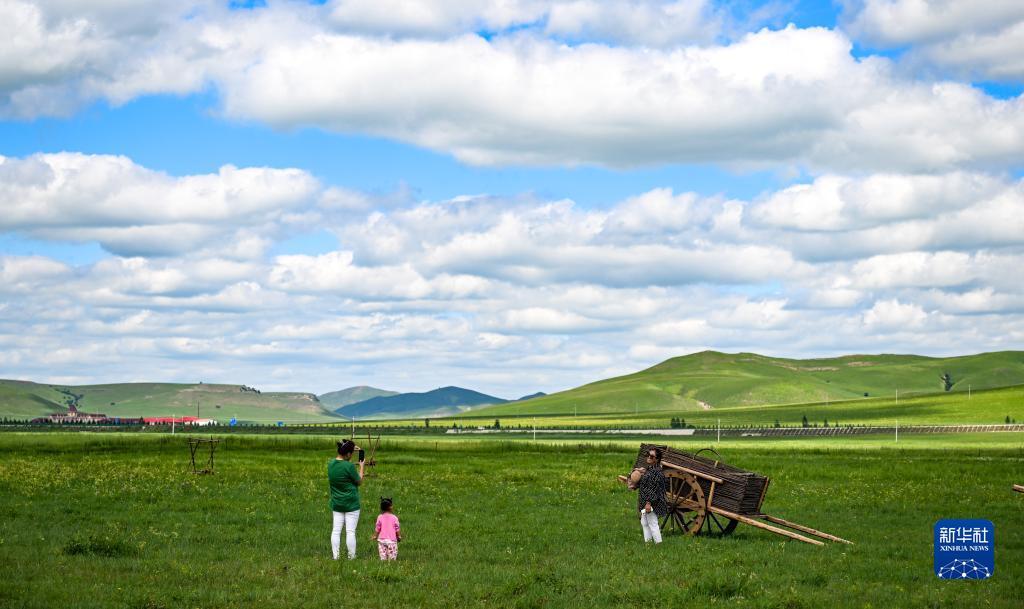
(743, 380)
(25, 399)
(114, 520)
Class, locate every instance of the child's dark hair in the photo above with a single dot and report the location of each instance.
(385, 504)
(345, 447)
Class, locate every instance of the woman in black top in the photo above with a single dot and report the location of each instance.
(651, 490)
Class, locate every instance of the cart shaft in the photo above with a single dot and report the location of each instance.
(808, 530)
(755, 522)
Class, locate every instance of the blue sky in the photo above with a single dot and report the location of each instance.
(409, 195)
(184, 136)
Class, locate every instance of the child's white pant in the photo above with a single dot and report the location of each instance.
(349, 520)
(649, 522)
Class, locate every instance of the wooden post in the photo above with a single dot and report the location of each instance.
(764, 491)
(192, 446)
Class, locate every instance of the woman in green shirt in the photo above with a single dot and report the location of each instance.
(344, 482)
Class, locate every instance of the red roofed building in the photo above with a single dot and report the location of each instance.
(177, 421)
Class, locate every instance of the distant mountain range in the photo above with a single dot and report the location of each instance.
(27, 400)
(695, 382)
(338, 399)
(439, 402)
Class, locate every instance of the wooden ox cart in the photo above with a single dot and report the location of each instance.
(1018, 488)
(706, 495)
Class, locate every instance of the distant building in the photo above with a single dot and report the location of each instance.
(76, 417)
(73, 415)
(178, 421)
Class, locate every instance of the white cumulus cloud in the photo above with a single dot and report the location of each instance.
(132, 210)
(644, 86)
(981, 39)
(507, 295)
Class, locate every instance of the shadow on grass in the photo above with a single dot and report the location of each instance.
(95, 545)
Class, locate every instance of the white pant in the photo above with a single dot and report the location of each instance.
(652, 530)
(349, 520)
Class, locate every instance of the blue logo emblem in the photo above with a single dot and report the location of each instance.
(964, 549)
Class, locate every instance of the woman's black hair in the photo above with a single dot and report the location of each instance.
(385, 504)
(346, 447)
(657, 453)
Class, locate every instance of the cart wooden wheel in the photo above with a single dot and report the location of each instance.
(687, 506)
(716, 524)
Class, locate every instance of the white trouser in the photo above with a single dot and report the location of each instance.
(649, 522)
(349, 520)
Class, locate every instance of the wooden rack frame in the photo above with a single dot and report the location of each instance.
(194, 445)
(373, 444)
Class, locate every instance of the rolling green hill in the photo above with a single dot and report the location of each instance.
(338, 399)
(23, 399)
(985, 407)
(712, 381)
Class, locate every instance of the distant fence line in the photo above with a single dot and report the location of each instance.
(754, 431)
(731, 431)
(854, 430)
(763, 431)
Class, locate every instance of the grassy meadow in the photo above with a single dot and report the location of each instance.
(116, 520)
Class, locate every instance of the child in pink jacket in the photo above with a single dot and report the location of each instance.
(388, 531)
